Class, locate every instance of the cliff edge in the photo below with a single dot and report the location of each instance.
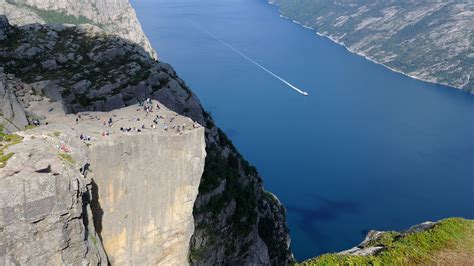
(119, 192)
(88, 70)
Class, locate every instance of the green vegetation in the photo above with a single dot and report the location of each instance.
(7, 140)
(55, 16)
(195, 254)
(60, 17)
(434, 42)
(452, 236)
(230, 168)
(67, 157)
(28, 127)
(93, 238)
(98, 71)
(269, 228)
(5, 158)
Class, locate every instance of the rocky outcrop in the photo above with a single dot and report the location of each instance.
(77, 189)
(236, 221)
(147, 185)
(45, 215)
(12, 114)
(113, 16)
(445, 242)
(374, 243)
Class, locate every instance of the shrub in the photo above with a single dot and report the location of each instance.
(68, 158)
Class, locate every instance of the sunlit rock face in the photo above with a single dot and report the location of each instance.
(113, 16)
(147, 188)
(125, 198)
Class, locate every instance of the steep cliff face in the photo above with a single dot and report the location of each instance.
(147, 185)
(45, 216)
(131, 191)
(113, 16)
(236, 221)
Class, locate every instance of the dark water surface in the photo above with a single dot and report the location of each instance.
(367, 149)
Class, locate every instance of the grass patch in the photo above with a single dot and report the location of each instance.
(195, 255)
(56, 133)
(5, 158)
(453, 234)
(67, 157)
(28, 127)
(93, 238)
(7, 140)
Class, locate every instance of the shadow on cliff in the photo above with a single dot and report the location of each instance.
(144, 76)
(97, 212)
(92, 200)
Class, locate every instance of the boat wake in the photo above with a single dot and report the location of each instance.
(248, 58)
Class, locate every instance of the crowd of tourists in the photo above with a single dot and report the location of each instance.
(147, 106)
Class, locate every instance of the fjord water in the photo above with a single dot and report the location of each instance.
(367, 149)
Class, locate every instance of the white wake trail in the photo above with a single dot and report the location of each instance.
(248, 58)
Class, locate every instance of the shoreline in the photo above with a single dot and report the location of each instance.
(366, 56)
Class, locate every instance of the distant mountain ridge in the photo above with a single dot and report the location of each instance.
(113, 16)
(427, 40)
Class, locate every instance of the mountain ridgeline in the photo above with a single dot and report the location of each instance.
(92, 68)
(428, 40)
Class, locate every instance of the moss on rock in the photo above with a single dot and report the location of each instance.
(455, 235)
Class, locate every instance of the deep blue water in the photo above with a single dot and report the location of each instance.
(367, 149)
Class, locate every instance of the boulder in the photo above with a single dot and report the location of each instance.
(60, 58)
(103, 91)
(81, 86)
(114, 102)
(48, 89)
(49, 64)
(33, 51)
(140, 91)
(109, 54)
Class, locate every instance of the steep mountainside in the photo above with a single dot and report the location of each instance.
(113, 16)
(125, 197)
(236, 221)
(429, 40)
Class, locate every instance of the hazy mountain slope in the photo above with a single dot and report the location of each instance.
(429, 40)
(114, 16)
